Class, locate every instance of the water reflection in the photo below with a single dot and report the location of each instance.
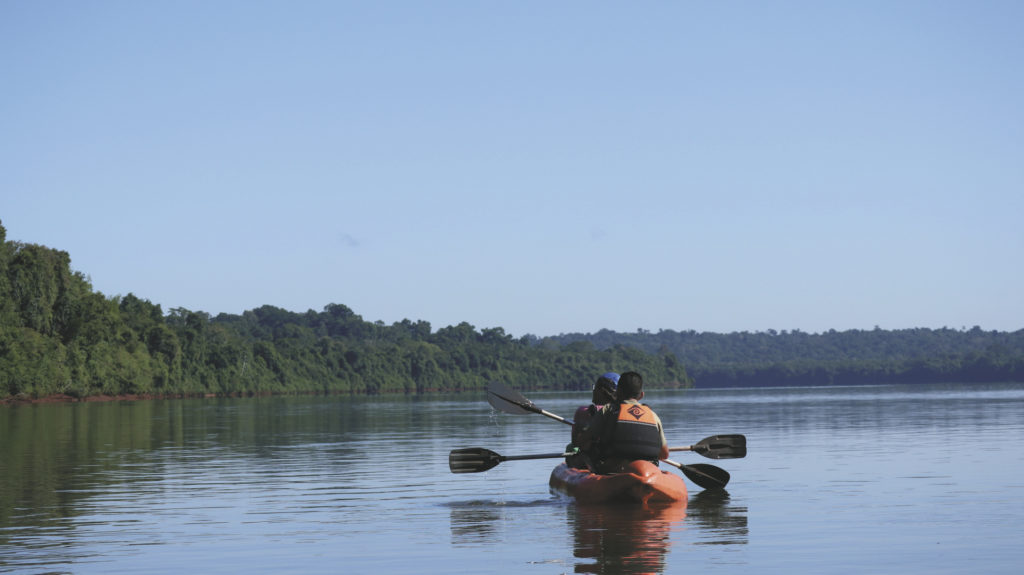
(721, 522)
(480, 522)
(631, 539)
(307, 484)
(611, 538)
(474, 523)
(622, 538)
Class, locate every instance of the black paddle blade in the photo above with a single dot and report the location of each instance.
(472, 460)
(706, 476)
(722, 447)
(508, 400)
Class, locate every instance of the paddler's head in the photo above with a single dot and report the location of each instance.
(631, 386)
(604, 388)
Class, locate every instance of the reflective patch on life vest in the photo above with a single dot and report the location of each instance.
(638, 413)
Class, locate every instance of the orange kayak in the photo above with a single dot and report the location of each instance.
(643, 483)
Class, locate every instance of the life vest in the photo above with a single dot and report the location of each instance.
(635, 434)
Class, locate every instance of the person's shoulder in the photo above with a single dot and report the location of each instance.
(585, 412)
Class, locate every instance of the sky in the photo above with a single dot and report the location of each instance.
(543, 167)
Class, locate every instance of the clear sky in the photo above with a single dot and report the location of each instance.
(545, 167)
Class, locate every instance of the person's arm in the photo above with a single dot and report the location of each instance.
(579, 422)
(664, 453)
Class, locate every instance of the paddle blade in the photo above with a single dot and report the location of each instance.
(472, 460)
(706, 476)
(722, 447)
(509, 400)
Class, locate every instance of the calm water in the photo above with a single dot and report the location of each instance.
(922, 479)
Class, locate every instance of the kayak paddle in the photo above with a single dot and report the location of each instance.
(477, 459)
(510, 401)
(733, 446)
(703, 474)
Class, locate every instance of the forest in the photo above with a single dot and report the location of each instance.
(61, 338)
(854, 357)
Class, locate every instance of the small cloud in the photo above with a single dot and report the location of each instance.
(348, 241)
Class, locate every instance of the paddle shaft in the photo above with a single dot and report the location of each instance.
(553, 416)
(535, 456)
(477, 459)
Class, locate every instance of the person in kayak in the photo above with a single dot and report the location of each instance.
(603, 394)
(624, 430)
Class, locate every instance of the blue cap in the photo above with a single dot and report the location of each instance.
(612, 376)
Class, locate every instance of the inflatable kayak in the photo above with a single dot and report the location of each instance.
(643, 483)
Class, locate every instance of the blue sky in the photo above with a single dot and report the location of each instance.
(545, 167)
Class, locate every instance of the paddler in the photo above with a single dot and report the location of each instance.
(602, 394)
(624, 430)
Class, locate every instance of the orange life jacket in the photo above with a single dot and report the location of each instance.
(635, 434)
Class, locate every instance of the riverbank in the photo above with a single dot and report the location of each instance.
(64, 398)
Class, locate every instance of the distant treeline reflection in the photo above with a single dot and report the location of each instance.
(59, 337)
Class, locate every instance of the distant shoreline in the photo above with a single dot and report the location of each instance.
(64, 398)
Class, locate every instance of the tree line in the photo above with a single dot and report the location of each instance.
(60, 337)
(854, 357)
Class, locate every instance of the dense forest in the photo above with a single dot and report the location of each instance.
(59, 337)
(852, 357)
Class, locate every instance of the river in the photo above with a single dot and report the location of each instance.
(877, 479)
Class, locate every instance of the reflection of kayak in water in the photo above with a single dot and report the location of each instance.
(623, 538)
(643, 483)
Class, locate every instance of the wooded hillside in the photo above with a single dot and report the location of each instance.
(60, 337)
